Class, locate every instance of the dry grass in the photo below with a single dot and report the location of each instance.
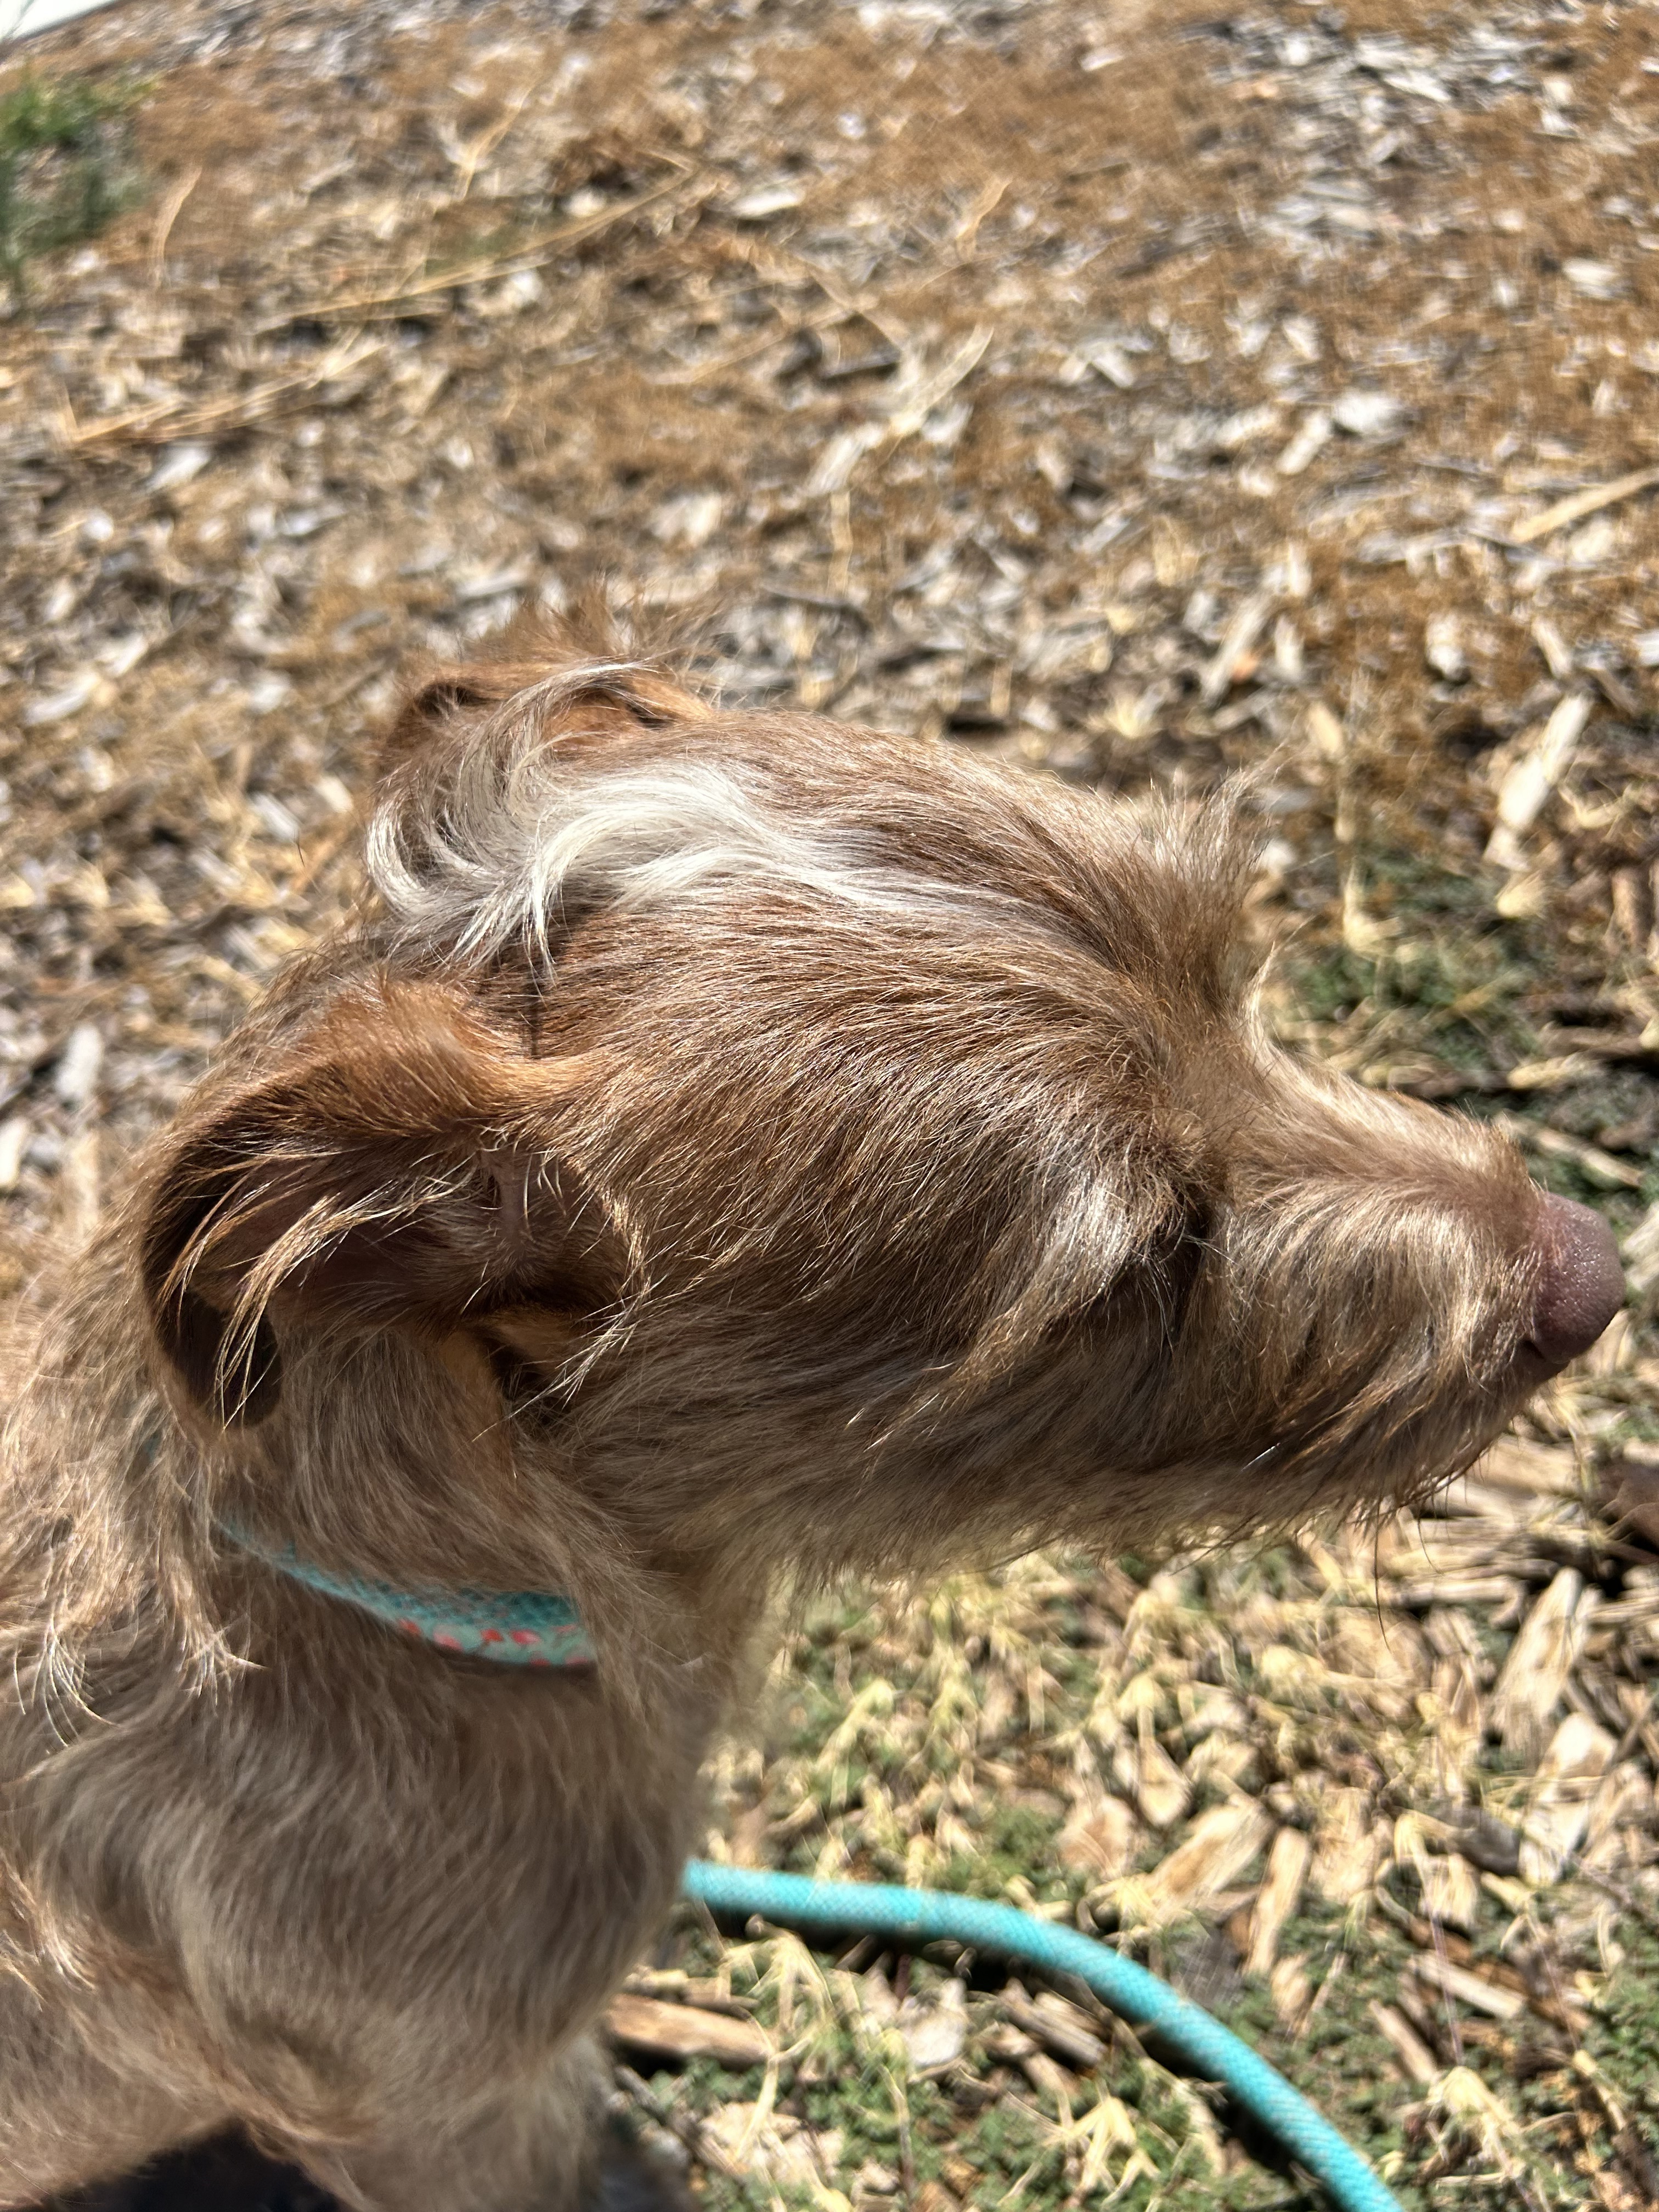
(1138, 393)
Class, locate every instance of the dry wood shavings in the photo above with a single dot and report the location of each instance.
(1451, 1890)
(1408, 2047)
(1218, 1849)
(673, 2031)
(1065, 2030)
(1527, 789)
(1564, 1788)
(1540, 1663)
(1347, 1846)
(1287, 1870)
(1579, 504)
(1470, 1988)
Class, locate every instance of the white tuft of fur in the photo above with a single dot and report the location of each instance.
(520, 838)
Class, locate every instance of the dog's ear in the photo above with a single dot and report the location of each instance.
(399, 1169)
(447, 698)
(566, 680)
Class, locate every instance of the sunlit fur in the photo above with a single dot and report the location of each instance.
(730, 1150)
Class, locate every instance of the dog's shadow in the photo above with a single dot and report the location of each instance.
(228, 2174)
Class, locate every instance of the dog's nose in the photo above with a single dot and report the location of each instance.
(1581, 1284)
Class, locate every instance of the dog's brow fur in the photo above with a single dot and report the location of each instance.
(728, 1150)
(526, 829)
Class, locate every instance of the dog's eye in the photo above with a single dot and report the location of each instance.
(515, 1378)
(1156, 1291)
(1197, 1230)
(1157, 1295)
(1190, 1244)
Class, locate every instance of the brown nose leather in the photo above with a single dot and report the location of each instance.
(1581, 1284)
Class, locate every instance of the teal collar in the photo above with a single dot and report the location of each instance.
(515, 1628)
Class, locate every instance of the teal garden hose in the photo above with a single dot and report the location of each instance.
(930, 1916)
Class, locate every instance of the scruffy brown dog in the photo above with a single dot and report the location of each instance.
(731, 1148)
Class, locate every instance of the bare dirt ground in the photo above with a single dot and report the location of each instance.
(1143, 391)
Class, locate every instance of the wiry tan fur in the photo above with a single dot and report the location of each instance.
(731, 1148)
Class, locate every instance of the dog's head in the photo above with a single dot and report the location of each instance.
(838, 1147)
